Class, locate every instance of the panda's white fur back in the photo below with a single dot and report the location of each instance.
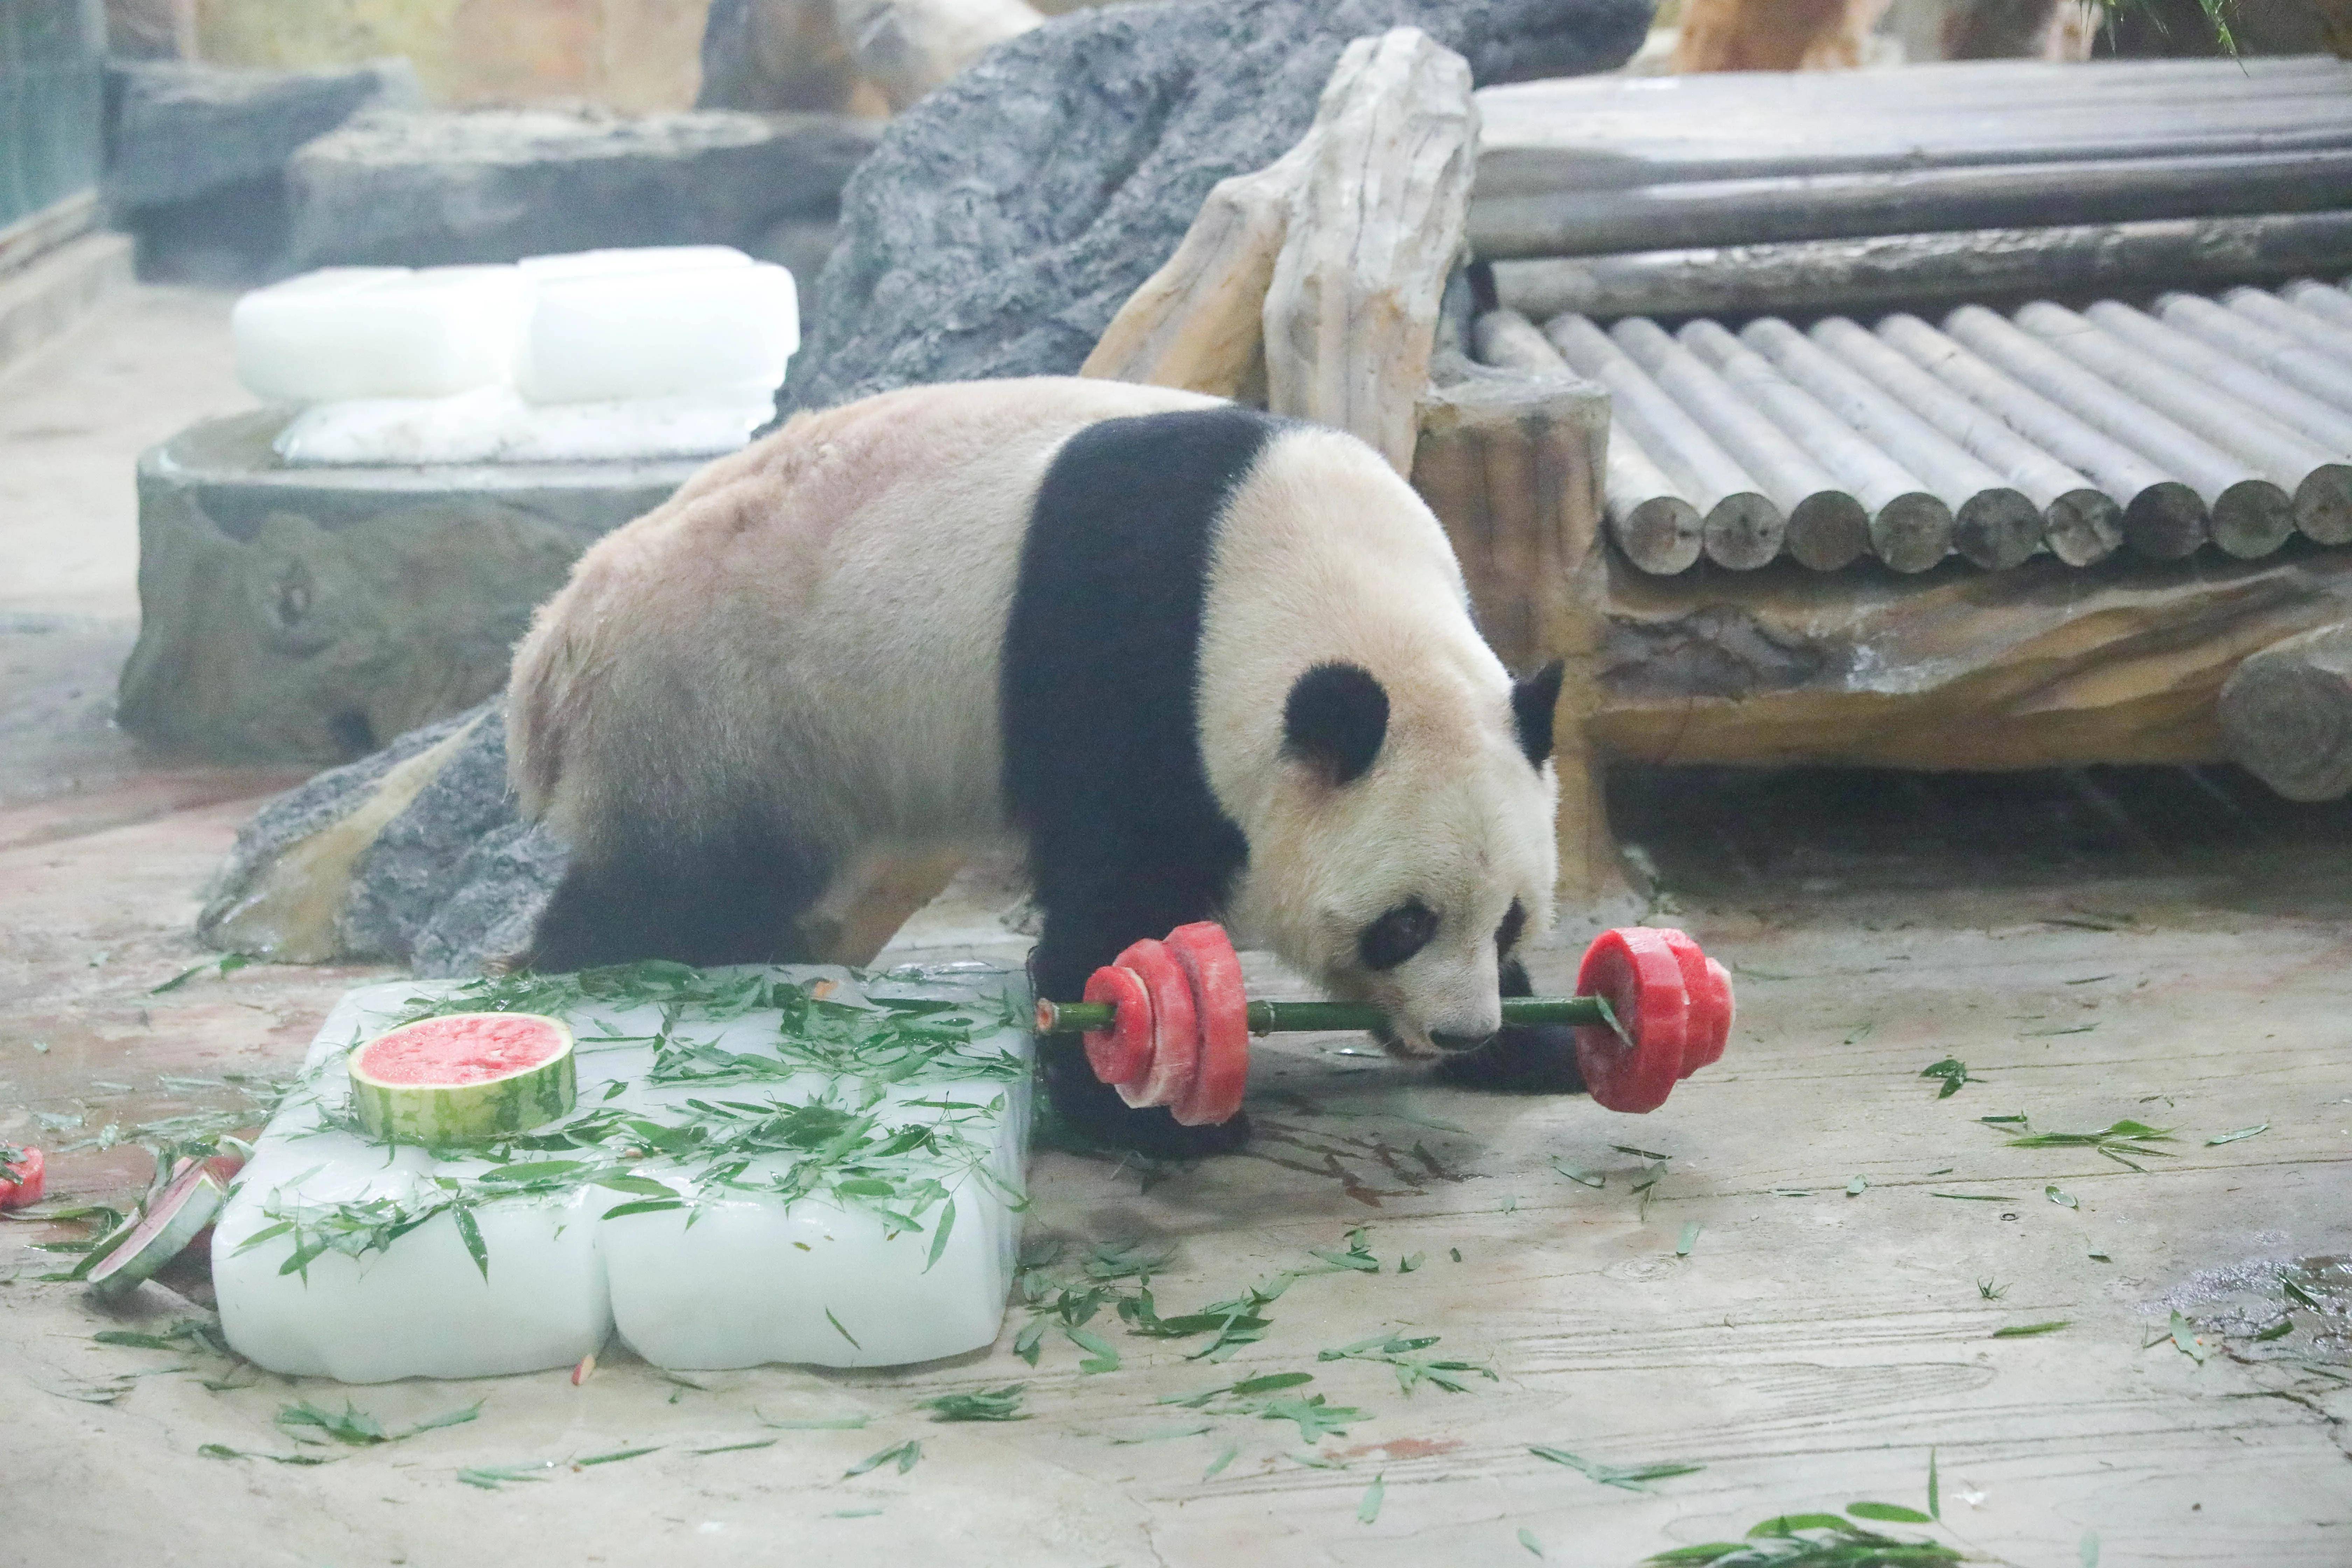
(819, 618)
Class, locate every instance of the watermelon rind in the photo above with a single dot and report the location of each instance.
(162, 1232)
(438, 1115)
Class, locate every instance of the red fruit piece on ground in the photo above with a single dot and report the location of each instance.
(1635, 968)
(1122, 1053)
(1175, 1027)
(23, 1176)
(1221, 1006)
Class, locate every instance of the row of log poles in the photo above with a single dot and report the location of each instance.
(1991, 439)
(1746, 193)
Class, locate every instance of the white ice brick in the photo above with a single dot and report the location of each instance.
(641, 331)
(492, 425)
(375, 331)
(730, 1290)
(632, 258)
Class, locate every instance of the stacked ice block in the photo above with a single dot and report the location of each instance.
(600, 355)
(892, 1239)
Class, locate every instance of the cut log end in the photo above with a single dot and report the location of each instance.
(1663, 535)
(1744, 531)
(1999, 529)
(1828, 530)
(2323, 504)
(2251, 519)
(1911, 532)
(2082, 527)
(2286, 715)
(2165, 522)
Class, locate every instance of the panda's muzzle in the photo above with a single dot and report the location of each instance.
(1458, 1043)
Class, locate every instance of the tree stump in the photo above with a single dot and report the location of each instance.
(2286, 714)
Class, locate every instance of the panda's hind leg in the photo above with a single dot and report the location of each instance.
(737, 900)
(1523, 1058)
(1086, 927)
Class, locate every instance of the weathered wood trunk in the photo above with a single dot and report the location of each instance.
(2286, 714)
(1375, 227)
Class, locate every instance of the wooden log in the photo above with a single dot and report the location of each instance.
(2038, 667)
(1511, 464)
(1671, 216)
(2280, 316)
(2163, 517)
(1910, 529)
(2319, 483)
(2323, 422)
(2286, 714)
(1742, 528)
(1920, 270)
(1992, 521)
(2285, 357)
(1199, 323)
(1827, 529)
(907, 47)
(2329, 303)
(2250, 515)
(1375, 228)
(1650, 520)
(1594, 131)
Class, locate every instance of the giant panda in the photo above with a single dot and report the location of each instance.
(1208, 663)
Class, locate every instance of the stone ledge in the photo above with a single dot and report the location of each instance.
(44, 300)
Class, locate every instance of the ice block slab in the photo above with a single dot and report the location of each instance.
(492, 425)
(378, 331)
(754, 1175)
(635, 330)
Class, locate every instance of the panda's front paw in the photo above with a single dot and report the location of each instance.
(1525, 1059)
(1094, 1111)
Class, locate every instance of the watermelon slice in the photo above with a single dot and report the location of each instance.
(21, 1177)
(466, 1078)
(1122, 1053)
(166, 1226)
(1175, 1026)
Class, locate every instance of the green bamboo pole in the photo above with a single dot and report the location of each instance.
(1294, 1017)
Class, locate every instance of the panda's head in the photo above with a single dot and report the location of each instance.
(1409, 844)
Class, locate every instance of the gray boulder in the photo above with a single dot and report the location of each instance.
(420, 188)
(181, 131)
(451, 879)
(1004, 219)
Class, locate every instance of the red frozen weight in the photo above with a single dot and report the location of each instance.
(1175, 1027)
(1221, 1006)
(1709, 986)
(1637, 970)
(1122, 1053)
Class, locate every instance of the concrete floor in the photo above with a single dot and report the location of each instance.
(1807, 1346)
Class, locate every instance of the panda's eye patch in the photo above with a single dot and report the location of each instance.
(1514, 925)
(1397, 935)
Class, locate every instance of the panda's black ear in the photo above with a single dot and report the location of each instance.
(1335, 721)
(1533, 697)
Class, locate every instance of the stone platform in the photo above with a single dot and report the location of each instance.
(311, 614)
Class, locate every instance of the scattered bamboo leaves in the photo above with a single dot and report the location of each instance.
(1225, 1455)
(1888, 1513)
(1813, 1541)
(844, 1333)
(2233, 1137)
(1630, 1478)
(2061, 1198)
(2026, 1330)
(1954, 1072)
(223, 1451)
(1689, 1239)
(1527, 1539)
(997, 1405)
(615, 1457)
(2118, 1140)
(1370, 1508)
(814, 1423)
(227, 964)
(1990, 1292)
(1404, 1355)
(2278, 1331)
(490, 1477)
(1583, 1178)
(2185, 1339)
(356, 1427)
(1856, 1188)
(736, 1448)
(903, 1455)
